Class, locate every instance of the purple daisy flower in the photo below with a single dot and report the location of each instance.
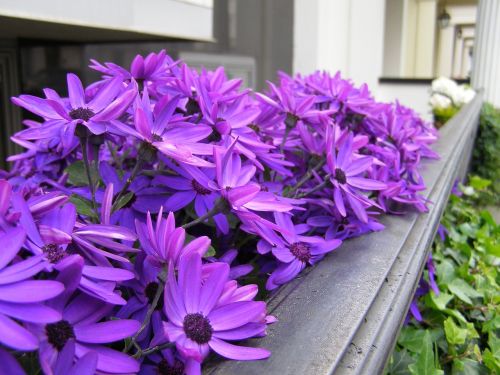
(81, 322)
(293, 249)
(62, 116)
(346, 172)
(196, 325)
(164, 243)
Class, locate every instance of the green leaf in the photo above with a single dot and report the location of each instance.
(124, 199)
(77, 175)
(424, 364)
(400, 362)
(83, 206)
(463, 290)
(411, 339)
(440, 301)
(468, 366)
(479, 183)
(491, 362)
(210, 252)
(454, 334)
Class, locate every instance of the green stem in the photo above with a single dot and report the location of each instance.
(156, 348)
(125, 187)
(214, 211)
(86, 163)
(161, 285)
(306, 177)
(325, 183)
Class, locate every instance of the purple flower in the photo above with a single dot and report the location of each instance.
(80, 321)
(164, 242)
(196, 324)
(61, 116)
(345, 175)
(293, 250)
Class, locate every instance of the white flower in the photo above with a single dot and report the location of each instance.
(439, 101)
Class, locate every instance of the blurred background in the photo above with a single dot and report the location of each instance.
(395, 46)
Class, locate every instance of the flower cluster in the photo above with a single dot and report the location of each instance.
(147, 206)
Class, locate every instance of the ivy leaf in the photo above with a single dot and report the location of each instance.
(424, 364)
(411, 339)
(454, 334)
(491, 362)
(468, 366)
(400, 362)
(463, 290)
(440, 301)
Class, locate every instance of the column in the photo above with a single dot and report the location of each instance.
(486, 59)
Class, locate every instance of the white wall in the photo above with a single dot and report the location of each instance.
(353, 42)
(170, 18)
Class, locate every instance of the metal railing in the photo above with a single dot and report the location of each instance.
(343, 316)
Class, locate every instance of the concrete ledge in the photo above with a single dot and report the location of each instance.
(344, 315)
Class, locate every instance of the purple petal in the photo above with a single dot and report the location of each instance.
(243, 332)
(107, 273)
(15, 336)
(30, 312)
(212, 288)
(111, 331)
(366, 183)
(8, 364)
(236, 314)
(109, 360)
(86, 365)
(75, 91)
(30, 291)
(241, 353)
(11, 242)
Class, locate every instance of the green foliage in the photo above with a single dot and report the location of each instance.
(486, 155)
(459, 333)
(442, 115)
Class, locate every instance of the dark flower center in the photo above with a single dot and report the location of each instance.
(340, 176)
(164, 368)
(81, 114)
(157, 138)
(53, 252)
(59, 333)
(291, 120)
(197, 328)
(150, 293)
(254, 127)
(301, 251)
(199, 188)
(192, 107)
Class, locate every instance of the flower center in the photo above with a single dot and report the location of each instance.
(164, 368)
(157, 138)
(197, 328)
(192, 107)
(150, 293)
(340, 176)
(301, 251)
(199, 188)
(53, 252)
(81, 114)
(59, 333)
